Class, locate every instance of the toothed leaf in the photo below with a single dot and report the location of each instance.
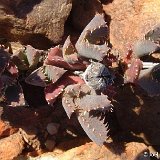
(97, 22)
(71, 92)
(37, 78)
(92, 51)
(94, 127)
(88, 42)
(144, 47)
(33, 55)
(55, 58)
(20, 60)
(68, 105)
(53, 73)
(94, 102)
(72, 95)
(69, 52)
(53, 91)
(154, 34)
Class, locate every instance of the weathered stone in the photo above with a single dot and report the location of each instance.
(130, 20)
(11, 147)
(50, 144)
(49, 17)
(6, 129)
(83, 11)
(90, 151)
(21, 20)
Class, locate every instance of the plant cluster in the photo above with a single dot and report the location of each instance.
(84, 75)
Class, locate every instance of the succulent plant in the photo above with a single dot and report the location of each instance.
(10, 90)
(82, 75)
(145, 74)
(79, 91)
(27, 58)
(84, 101)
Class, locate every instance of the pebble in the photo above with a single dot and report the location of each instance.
(52, 128)
(50, 144)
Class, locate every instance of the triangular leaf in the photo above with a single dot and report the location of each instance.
(94, 102)
(144, 47)
(94, 127)
(154, 34)
(54, 90)
(53, 73)
(37, 77)
(149, 82)
(69, 52)
(88, 43)
(33, 55)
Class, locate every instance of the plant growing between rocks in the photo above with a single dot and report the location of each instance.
(84, 75)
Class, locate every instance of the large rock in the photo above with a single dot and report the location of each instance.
(91, 151)
(130, 20)
(21, 20)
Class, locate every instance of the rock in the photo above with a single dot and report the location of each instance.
(49, 17)
(90, 151)
(6, 129)
(46, 156)
(83, 11)
(130, 20)
(50, 144)
(12, 146)
(133, 151)
(52, 128)
(31, 20)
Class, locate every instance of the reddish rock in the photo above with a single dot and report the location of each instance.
(11, 147)
(33, 19)
(91, 151)
(6, 129)
(130, 20)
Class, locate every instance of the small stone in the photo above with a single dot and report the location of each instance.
(50, 144)
(52, 128)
